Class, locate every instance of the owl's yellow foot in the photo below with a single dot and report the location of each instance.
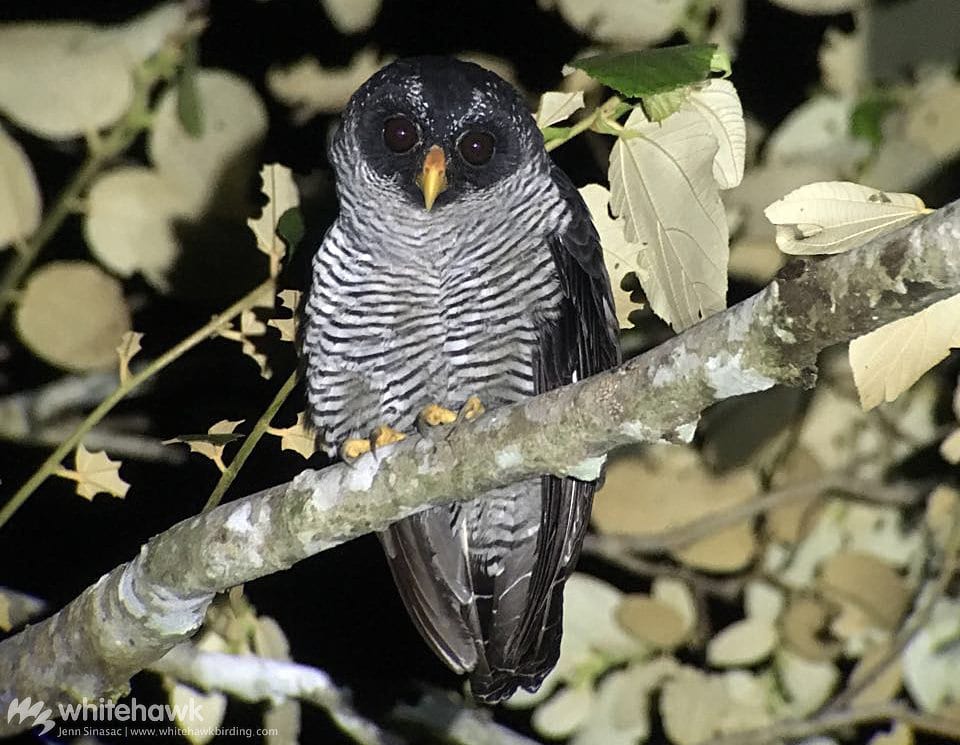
(435, 415)
(352, 449)
(472, 409)
(384, 435)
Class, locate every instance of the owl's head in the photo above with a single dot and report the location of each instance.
(433, 131)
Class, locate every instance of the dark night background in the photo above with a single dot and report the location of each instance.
(339, 609)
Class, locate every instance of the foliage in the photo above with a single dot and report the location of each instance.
(784, 558)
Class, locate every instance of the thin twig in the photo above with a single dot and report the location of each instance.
(920, 618)
(681, 536)
(829, 721)
(250, 442)
(52, 463)
(602, 547)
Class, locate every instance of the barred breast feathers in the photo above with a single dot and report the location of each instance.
(407, 307)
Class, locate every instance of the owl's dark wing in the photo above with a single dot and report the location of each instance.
(581, 342)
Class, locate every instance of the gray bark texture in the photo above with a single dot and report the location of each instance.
(137, 612)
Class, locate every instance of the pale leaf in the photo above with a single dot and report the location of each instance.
(213, 442)
(352, 16)
(626, 22)
(126, 351)
(867, 582)
(299, 438)
(817, 132)
(556, 106)
(620, 714)
(95, 473)
(130, 223)
(48, 321)
(289, 299)
(899, 734)
(677, 595)
(882, 688)
(145, 35)
(208, 707)
(658, 106)
(844, 61)
(803, 629)
(250, 326)
(718, 103)
(269, 640)
(19, 193)
(630, 503)
(831, 217)
(17, 608)
(821, 7)
(930, 118)
(807, 684)
(889, 360)
(652, 621)
(564, 713)
(80, 75)
(693, 706)
(743, 643)
(282, 723)
(763, 600)
(590, 606)
(950, 448)
(499, 66)
(217, 161)
(662, 183)
(313, 89)
(931, 660)
(619, 255)
(281, 193)
(76, 82)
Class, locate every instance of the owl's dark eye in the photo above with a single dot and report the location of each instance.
(476, 147)
(400, 134)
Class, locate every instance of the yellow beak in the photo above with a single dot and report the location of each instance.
(433, 178)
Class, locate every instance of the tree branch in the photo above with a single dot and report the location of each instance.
(140, 610)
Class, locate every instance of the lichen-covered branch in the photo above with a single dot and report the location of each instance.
(142, 609)
(252, 678)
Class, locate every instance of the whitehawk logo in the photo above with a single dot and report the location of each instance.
(27, 710)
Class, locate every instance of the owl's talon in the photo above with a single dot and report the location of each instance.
(353, 448)
(472, 409)
(435, 415)
(384, 435)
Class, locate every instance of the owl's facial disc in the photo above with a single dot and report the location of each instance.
(434, 132)
(433, 176)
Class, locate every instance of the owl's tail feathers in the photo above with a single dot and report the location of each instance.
(526, 658)
(493, 686)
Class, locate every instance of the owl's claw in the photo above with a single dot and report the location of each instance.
(353, 448)
(384, 435)
(471, 409)
(434, 415)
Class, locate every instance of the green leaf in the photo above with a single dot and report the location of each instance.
(867, 118)
(215, 439)
(650, 71)
(290, 229)
(189, 108)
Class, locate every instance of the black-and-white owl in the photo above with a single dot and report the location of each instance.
(462, 264)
